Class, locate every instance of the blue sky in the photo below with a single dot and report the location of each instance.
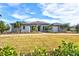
(48, 12)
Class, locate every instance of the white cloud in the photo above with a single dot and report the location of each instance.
(68, 12)
(32, 13)
(20, 16)
(36, 19)
(2, 19)
(14, 4)
(27, 10)
(3, 6)
(6, 21)
(17, 15)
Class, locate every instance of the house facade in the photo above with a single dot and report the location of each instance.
(28, 27)
(38, 26)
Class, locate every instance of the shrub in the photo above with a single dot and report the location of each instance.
(66, 49)
(34, 28)
(7, 51)
(39, 52)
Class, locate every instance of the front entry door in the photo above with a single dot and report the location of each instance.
(38, 28)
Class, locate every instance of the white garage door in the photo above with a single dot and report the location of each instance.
(55, 28)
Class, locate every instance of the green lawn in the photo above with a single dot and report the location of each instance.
(26, 43)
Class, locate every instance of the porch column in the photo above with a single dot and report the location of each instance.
(36, 27)
(41, 28)
(31, 28)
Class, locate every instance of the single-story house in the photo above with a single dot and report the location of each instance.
(40, 26)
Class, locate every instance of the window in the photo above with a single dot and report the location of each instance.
(23, 27)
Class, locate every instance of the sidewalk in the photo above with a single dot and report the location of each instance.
(36, 34)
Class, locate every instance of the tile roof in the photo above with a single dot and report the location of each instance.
(36, 23)
(39, 23)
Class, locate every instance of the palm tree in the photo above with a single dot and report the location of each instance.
(17, 25)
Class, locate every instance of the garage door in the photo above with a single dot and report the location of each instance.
(55, 28)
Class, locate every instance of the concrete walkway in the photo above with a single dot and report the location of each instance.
(2, 35)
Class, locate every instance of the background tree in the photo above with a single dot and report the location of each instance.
(77, 28)
(3, 26)
(65, 27)
(7, 27)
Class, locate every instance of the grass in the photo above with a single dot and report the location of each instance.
(26, 43)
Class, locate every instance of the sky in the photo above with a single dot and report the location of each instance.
(47, 12)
